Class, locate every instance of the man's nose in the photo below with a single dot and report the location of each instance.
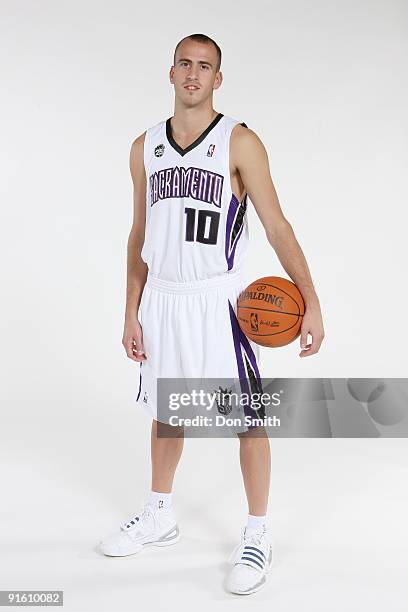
(192, 73)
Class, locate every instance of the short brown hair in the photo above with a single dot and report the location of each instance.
(201, 38)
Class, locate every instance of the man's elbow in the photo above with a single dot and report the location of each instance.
(278, 231)
(136, 237)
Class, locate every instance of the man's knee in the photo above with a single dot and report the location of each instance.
(164, 430)
(253, 438)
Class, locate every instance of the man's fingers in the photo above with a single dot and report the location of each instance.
(139, 354)
(311, 349)
(128, 345)
(305, 350)
(303, 340)
(133, 351)
(138, 350)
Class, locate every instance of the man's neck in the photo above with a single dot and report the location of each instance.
(187, 121)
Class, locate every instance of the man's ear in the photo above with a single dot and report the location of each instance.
(171, 75)
(218, 80)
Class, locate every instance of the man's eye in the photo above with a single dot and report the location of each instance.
(205, 67)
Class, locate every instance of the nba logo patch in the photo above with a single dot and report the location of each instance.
(159, 150)
(211, 150)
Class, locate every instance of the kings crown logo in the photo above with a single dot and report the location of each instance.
(223, 400)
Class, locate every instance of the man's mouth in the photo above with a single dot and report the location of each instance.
(191, 87)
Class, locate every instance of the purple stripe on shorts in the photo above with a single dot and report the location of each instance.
(241, 341)
(236, 335)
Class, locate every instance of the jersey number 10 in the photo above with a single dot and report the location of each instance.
(207, 226)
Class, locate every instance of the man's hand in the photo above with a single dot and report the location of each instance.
(312, 324)
(133, 340)
(249, 160)
(136, 268)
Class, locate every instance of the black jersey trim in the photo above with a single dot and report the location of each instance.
(197, 141)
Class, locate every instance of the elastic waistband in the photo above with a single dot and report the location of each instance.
(206, 284)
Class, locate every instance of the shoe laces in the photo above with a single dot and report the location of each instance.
(135, 520)
(255, 539)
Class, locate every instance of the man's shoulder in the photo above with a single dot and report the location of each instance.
(242, 135)
(157, 127)
(245, 145)
(137, 148)
(140, 140)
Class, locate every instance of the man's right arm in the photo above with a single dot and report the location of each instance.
(136, 267)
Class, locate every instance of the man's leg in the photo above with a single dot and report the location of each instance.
(253, 556)
(165, 453)
(156, 523)
(255, 458)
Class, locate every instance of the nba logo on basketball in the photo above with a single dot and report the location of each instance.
(211, 150)
(253, 318)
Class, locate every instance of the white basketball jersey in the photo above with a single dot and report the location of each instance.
(195, 226)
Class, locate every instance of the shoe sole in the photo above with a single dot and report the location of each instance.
(145, 545)
(169, 543)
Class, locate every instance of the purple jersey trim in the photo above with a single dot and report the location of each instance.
(140, 381)
(231, 217)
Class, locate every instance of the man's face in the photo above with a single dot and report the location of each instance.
(194, 74)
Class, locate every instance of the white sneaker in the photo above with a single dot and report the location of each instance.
(252, 559)
(148, 528)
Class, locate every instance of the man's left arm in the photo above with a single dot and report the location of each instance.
(249, 158)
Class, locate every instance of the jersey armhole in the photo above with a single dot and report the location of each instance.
(146, 150)
(245, 195)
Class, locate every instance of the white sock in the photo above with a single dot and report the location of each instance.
(160, 501)
(255, 523)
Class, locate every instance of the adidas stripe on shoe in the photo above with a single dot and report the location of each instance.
(251, 561)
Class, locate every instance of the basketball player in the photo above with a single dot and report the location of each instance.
(192, 175)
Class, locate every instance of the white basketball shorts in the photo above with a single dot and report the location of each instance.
(190, 330)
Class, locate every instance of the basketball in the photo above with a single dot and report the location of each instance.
(270, 311)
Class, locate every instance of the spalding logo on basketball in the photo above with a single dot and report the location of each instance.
(270, 311)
